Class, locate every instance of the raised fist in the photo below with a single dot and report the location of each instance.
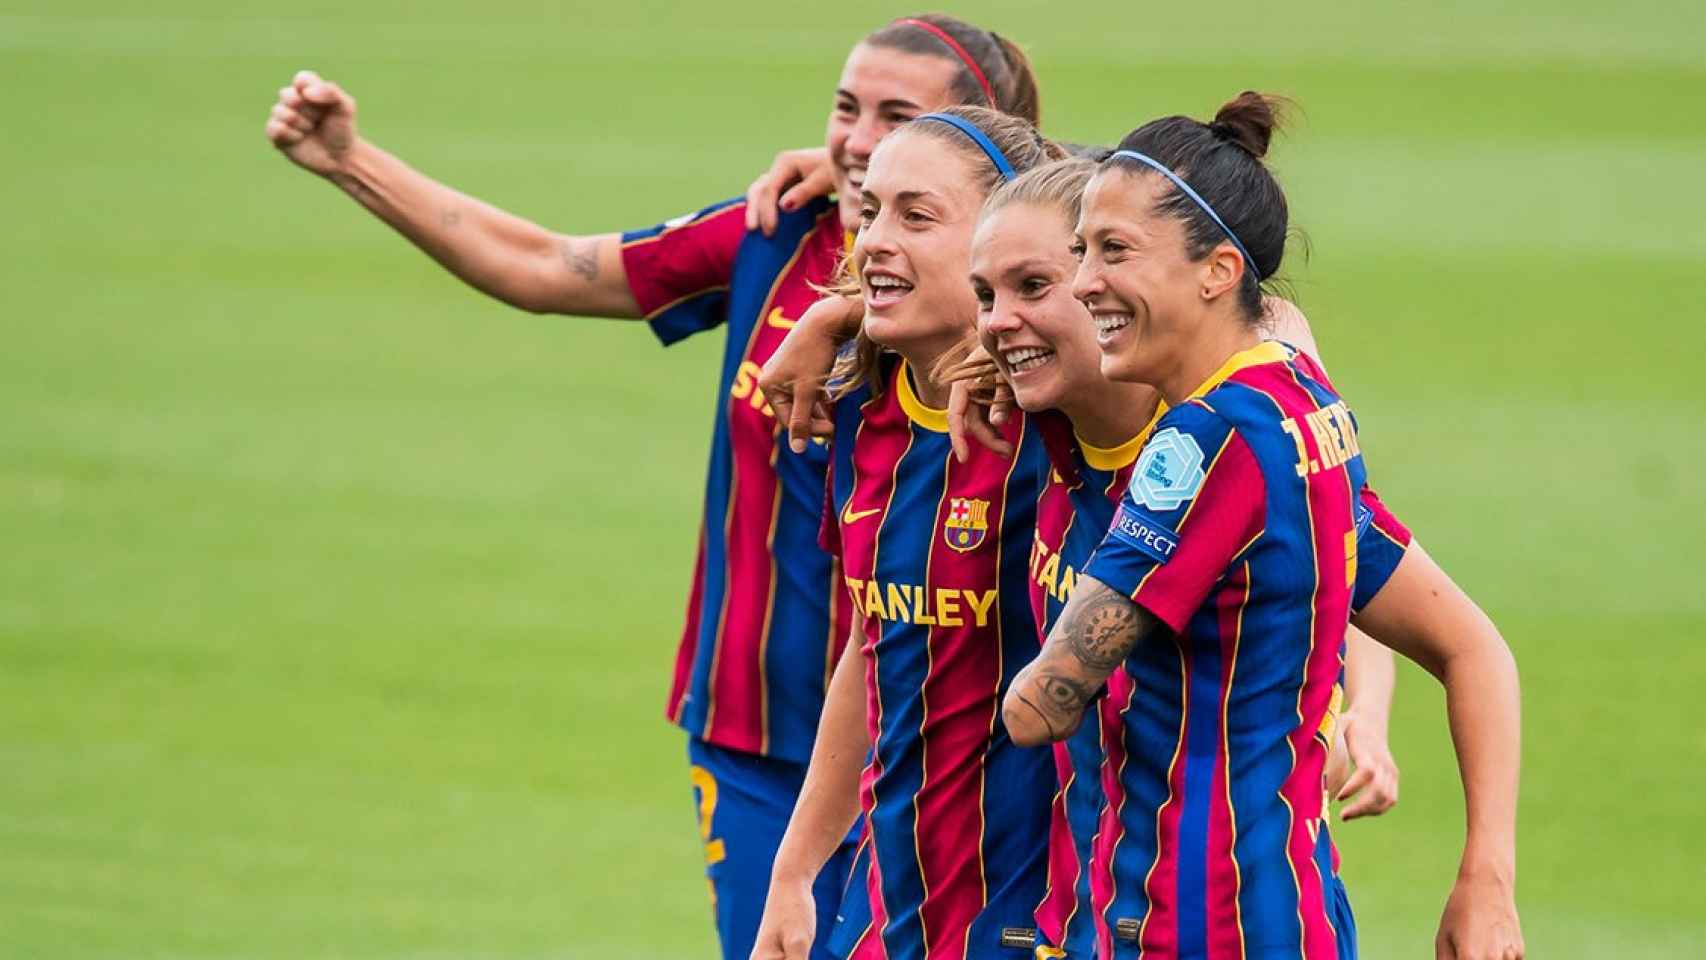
(313, 123)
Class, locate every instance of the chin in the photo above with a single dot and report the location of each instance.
(1036, 397)
(1122, 368)
(886, 330)
(847, 206)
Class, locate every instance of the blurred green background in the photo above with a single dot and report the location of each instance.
(337, 603)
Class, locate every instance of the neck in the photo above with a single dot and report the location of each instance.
(1112, 412)
(921, 361)
(1217, 339)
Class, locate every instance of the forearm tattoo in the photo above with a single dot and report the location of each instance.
(582, 258)
(1100, 627)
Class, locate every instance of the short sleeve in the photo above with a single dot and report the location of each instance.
(1196, 501)
(679, 271)
(1381, 542)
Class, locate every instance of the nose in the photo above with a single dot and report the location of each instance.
(1003, 316)
(1087, 283)
(875, 240)
(862, 141)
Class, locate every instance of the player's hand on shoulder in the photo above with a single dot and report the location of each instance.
(1373, 788)
(793, 379)
(313, 123)
(795, 178)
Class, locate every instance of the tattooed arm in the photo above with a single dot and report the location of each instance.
(1095, 632)
(515, 260)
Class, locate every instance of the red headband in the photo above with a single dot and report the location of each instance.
(959, 51)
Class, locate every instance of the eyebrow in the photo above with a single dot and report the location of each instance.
(890, 104)
(906, 196)
(1023, 266)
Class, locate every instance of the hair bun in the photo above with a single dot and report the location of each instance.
(1249, 120)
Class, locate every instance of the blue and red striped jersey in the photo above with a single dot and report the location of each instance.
(766, 616)
(1238, 530)
(934, 554)
(1074, 511)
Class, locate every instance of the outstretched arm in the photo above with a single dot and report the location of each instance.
(512, 259)
(1093, 636)
(1425, 616)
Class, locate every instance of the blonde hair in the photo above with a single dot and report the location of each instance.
(1057, 186)
(1024, 149)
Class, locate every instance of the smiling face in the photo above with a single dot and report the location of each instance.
(880, 89)
(1022, 268)
(1143, 292)
(917, 213)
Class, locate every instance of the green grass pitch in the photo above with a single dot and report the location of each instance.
(337, 603)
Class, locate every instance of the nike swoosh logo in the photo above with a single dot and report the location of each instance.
(777, 320)
(848, 516)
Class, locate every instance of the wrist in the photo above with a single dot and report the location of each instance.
(1484, 867)
(790, 871)
(355, 162)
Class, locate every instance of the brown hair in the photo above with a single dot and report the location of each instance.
(1012, 83)
(1022, 146)
(1222, 161)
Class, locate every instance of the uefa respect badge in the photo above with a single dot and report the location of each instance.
(1169, 472)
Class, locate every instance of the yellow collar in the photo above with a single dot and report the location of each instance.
(928, 417)
(1115, 458)
(1268, 351)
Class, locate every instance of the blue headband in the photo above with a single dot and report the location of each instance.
(978, 137)
(1185, 188)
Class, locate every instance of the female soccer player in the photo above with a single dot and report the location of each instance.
(1225, 582)
(767, 615)
(933, 555)
(1041, 340)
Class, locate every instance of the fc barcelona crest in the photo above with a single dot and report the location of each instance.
(967, 523)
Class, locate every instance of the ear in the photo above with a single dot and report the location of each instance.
(1222, 271)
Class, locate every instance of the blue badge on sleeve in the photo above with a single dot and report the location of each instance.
(1364, 516)
(1148, 535)
(1169, 471)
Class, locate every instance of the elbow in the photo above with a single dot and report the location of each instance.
(1025, 726)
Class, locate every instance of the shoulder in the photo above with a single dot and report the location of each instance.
(726, 219)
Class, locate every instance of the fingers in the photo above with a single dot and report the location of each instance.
(959, 401)
(322, 93)
(815, 181)
(806, 399)
(761, 203)
(292, 119)
(765, 199)
(986, 433)
(1357, 781)
(1379, 793)
(818, 183)
(1001, 407)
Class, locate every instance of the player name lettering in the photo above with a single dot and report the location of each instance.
(1335, 437)
(1056, 578)
(910, 603)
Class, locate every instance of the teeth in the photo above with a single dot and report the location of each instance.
(878, 281)
(1109, 322)
(1026, 358)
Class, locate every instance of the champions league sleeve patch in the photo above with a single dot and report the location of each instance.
(1169, 472)
(1145, 534)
